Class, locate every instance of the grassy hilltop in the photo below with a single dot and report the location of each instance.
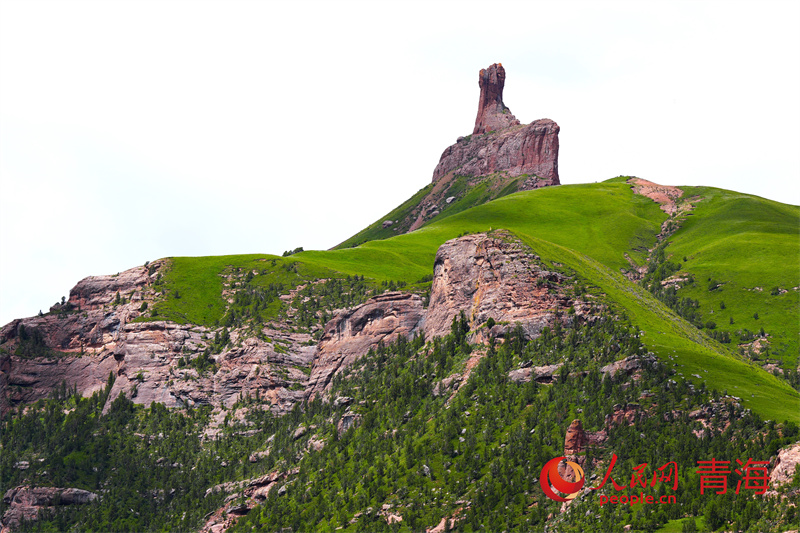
(739, 251)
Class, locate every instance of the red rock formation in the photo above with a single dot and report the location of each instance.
(576, 442)
(575, 439)
(97, 336)
(24, 502)
(493, 114)
(500, 144)
(352, 332)
(493, 277)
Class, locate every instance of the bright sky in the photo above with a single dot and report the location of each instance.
(131, 131)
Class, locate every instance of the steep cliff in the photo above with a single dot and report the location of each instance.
(96, 335)
(495, 277)
(352, 332)
(493, 114)
(500, 144)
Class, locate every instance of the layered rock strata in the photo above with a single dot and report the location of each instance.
(493, 114)
(94, 335)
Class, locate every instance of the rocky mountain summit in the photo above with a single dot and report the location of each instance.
(499, 143)
(500, 157)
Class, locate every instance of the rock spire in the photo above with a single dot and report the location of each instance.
(493, 115)
(499, 143)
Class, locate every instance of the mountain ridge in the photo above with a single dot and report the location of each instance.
(395, 381)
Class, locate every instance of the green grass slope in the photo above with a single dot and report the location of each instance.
(464, 193)
(601, 220)
(690, 352)
(588, 228)
(750, 248)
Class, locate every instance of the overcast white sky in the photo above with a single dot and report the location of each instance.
(131, 131)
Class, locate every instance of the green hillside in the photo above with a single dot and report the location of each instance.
(590, 228)
(419, 449)
(437, 201)
(744, 251)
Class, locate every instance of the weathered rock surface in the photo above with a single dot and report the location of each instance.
(540, 374)
(626, 414)
(531, 149)
(785, 464)
(348, 420)
(96, 337)
(629, 364)
(24, 502)
(485, 276)
(492, 112)
(253, 490)
(352, 332)
(86, 329)
(499, 143)
(576, 442)
(494, 277)
(575, 439)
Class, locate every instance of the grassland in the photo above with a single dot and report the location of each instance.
(589, 228)
(750, 246)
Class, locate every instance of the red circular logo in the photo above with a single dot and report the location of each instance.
(550, 477)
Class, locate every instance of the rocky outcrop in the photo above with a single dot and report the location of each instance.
(540, 374)
(348, 420)
(626, 414)
(90, 320)
(574, 446)
(495, 276)
(499, 143)
(352, 332)
(486, 276)
(628, 365)
(24, 502)
(253, 491)
(94, 335)
(531, 150)
(80, 336)
(493, 114)
(576, 442)
(785, 466)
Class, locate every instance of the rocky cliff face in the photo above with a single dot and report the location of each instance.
(494, 276)
(485, 276)
(24, 503)
(93, 335)
(352, 332)
(499, 143)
